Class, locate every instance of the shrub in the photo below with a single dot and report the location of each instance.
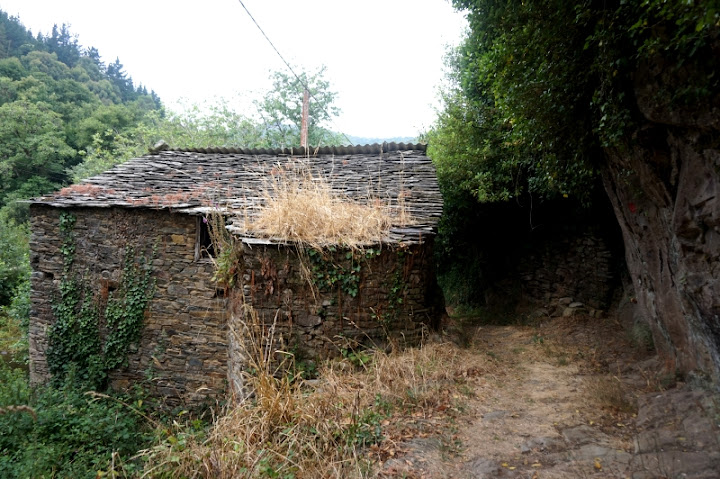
(14, 263)
(72, 434)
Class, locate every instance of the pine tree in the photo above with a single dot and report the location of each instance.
(116, 74)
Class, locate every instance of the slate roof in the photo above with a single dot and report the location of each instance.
(196, 181)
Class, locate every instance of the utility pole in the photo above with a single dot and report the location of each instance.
(304, 122)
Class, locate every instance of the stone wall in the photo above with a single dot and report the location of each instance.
(567, 270)
(182, 354)
(537, 257)
(394, 300)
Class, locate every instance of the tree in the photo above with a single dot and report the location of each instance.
(12, 68)
(15, 40)
(557, 78)
(45, 63)
(569, 96)
(64, 45)
(92, 64)
(525, 93)
(281, 109)
(92, 54)
(116, 73)
(196, 126)
(14, 258)
(33, 152)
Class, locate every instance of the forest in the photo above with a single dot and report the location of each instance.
(549, 102)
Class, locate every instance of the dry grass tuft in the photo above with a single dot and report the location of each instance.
(330, 428)
(21, 408)
(303, 207)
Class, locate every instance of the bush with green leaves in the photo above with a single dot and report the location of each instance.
(65, 432)
(14, 258)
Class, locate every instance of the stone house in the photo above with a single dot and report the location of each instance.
(158, 206)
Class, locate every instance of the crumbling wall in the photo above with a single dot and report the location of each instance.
(187, 353)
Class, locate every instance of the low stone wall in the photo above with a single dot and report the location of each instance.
(182, 354)
(320, 304)
(572, 269)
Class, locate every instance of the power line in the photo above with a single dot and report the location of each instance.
(287, 64)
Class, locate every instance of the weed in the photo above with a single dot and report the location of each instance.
(609, 392)
(450, 443)
(467, 391)
(641, 336)
(357, 358)
(226, 252)
(306, 369)
(287, 428)
(364, 430)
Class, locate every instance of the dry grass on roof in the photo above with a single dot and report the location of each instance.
(303, 207)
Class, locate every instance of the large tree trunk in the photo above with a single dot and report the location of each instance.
(664, 184)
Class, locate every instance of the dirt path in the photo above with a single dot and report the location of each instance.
(570, 398)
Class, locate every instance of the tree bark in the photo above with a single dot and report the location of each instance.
(664, 185)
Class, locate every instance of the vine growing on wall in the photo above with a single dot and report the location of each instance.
(327, 274)
(396, 286)
(76, 342)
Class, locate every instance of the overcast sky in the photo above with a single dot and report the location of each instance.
(384, 57)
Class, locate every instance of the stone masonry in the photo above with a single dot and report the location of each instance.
(182, 354)
(393, 303)
(579, 267)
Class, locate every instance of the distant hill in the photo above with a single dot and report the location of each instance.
(361, 140)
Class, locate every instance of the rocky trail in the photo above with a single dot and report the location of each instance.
(566, 398)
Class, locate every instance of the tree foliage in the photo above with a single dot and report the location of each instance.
(14, 259)
(112, 140)
(209, 125)
(281, 109)
(54, 97)
(541, 87)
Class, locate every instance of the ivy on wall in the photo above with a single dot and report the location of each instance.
(76, 342)
(327, 274)
(396, 284)
(332, 272)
